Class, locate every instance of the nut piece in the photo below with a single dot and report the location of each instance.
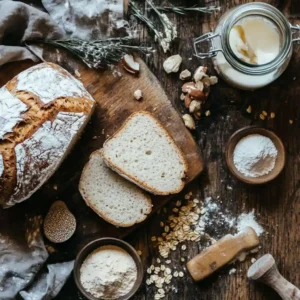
(188, 121)
(188, 86)
(197, 94)
(194, 106)
(186, 74)
(130, 65)
(172, 63)
(187, 101)
(138, 95)
(199, 85)
(200, 73)
(213, 80)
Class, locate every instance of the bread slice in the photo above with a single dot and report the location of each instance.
(143, 152)
(113, 198)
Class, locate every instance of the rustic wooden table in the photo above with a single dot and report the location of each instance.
(277, 205)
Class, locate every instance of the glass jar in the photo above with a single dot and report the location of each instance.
(231, 68)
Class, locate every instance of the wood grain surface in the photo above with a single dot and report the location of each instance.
(277, 204)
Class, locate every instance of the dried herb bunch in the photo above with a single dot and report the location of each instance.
(99, 53)
(181, 10)
(169, 32)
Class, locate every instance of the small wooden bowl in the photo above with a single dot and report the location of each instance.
(245, 131)
(90, 247)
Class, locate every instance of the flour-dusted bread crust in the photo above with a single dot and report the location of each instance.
(143, 152)
(43, 111)
(112, 197)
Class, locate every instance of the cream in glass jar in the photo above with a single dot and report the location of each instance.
(251, 45)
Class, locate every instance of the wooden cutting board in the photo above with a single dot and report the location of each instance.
(115, 102)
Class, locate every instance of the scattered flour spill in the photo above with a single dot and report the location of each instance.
(245, 220)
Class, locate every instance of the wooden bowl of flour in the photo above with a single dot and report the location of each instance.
(98, 243)
(237, 170)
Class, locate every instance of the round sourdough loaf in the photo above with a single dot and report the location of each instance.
(43, 110)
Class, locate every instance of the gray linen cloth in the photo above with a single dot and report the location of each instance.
(20, 23)
(88, 19)
(22, 257)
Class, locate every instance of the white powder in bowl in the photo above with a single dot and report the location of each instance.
(255, 155)
(109, 272)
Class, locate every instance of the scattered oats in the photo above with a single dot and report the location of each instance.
(157, 296)
(152, 267)
(272, 115)
(175, 210)
(149, 271)
(182, 259)
(167, 229)
(183, 247)
(168, 261)
(207, 113)
(162, 267)
(94, 137)
(161, 224)
(264, 113)
(175, 274)
(291, 122)
(168, 271)
(139, 252)
(180, 274)
(249, 109)
(148, 282)
(158, 260)
(159, 239)
(55, 187)
(253, 260)
(161, 291)
(178, 203)
(262, 117)
(153, 239)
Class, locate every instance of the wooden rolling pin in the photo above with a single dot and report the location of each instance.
(221, 253)
(265, 271)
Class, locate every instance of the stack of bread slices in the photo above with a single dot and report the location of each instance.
(141, 156)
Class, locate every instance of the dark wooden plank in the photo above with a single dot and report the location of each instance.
(277, 204)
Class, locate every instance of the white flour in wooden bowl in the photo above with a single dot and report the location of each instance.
(255, 155)
(109, 272)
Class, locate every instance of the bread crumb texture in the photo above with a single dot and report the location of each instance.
(115, 199)
(144, 152)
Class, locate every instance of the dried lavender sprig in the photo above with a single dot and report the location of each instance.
(181, 10)
(138, 14)
(99, 53)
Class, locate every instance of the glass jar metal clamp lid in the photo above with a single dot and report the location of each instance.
(229, 66)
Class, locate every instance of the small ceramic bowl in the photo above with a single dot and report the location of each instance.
(90, 247)
(243, 132)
